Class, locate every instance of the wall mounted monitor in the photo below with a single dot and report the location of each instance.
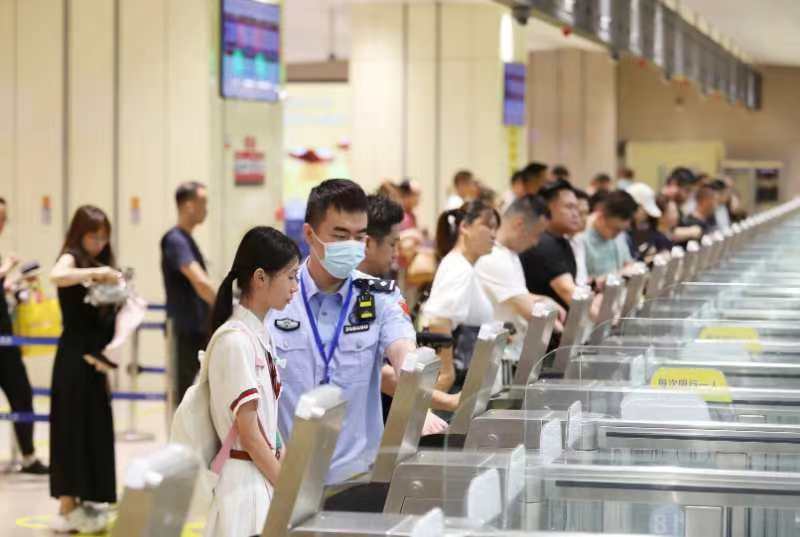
(250, 50)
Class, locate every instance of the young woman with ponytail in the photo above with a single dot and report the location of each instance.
(457, 304)
(243, 381)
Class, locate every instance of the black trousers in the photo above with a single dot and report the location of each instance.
(14, 382)
(186, 345)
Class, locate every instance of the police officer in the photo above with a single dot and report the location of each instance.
(341, 325)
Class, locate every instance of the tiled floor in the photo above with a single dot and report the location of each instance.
(25, 503)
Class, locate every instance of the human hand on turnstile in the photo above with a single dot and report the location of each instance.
(594, 309)
(561, 313)
(433, 424)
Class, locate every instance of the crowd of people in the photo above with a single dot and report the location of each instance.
(348, 315)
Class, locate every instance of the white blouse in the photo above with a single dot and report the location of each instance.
(457, 294)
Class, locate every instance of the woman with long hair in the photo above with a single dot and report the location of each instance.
(244, 383)
(457, 304)
(81, 424)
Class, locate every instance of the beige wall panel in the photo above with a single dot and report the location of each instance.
(572, 112)
(488, 145)
(543, 106)
(421, 39)
(376, 32)
(471, 31)
(189, 28)
(421, 110)
(377, 89)
(377, 120)
(458, 32)
(456, 120)
(421, 136)
(601, 116)
(40, 123)
(8, 93)
(649, 112)
(242, 207)
(143, 165)
(91, 105)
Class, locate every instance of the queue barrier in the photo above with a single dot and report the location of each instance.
(133, 396)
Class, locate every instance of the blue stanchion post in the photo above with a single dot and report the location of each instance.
(132, 396)
(132, 434)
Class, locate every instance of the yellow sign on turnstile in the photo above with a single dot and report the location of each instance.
(746, 334)
(710, 383)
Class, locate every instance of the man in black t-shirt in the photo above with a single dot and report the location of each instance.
(550, 267)
(707, 199)
(188, 288)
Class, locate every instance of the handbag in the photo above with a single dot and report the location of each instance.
(38, 318)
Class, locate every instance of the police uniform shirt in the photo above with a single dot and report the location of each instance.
(355, 366)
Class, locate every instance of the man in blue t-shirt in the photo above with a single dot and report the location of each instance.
(188, 288)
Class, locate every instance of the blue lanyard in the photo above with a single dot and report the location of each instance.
(326, 356)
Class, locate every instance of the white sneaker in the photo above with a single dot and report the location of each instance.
(69, 523)
(95, 523)
(80, 520)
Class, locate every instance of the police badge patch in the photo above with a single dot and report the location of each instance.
(287, 325)
(356, 328)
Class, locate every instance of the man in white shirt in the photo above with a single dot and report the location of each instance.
(465, 188)
(500, 273)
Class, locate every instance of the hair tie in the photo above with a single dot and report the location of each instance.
(451, 221)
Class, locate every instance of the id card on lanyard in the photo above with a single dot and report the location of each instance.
(326, 356)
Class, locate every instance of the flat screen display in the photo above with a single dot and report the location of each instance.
(250, 55)
(514, 94)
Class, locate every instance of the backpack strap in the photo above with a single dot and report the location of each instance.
(224, 452)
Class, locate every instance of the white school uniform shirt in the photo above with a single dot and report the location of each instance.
(502, 278)
(242, 495)
(457, 295)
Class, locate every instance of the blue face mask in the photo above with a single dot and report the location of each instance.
(341, 258)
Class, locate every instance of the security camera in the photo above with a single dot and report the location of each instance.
(521, 14)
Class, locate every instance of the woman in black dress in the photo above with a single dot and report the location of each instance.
(81, 425)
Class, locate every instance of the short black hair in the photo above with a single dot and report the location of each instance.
(2, 201)
(581, 194)
(683, 176)
(551, 190)
(341, 194)
(529, 173)
(597, 199)
(383, 214)
(619, 204)
(718, 185)
(187, 191)
(530, 206)
(561, 171)
(704, 192)
(602, 178)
